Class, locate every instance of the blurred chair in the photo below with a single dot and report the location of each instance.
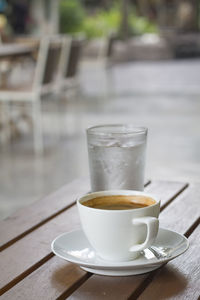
(68, 86)
(100, 50)
(101, 61)
(44, 82)
(70, 59)
(105, 52)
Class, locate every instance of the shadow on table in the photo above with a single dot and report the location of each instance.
(67, 278)
(168, 282)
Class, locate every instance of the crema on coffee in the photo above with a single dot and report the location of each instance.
(119, 202)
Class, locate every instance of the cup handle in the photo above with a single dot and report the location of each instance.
(152, 230)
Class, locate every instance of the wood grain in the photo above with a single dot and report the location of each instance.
(27, 252)
(166, 190)
(111, 288)
(36, 245)
(29, 218)
(179, 279)
(48, 282)
(182, 213)
(171, 217)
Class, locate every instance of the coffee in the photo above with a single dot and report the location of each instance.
(119, 202)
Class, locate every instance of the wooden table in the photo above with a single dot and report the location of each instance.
(13, 51)
(29, 270)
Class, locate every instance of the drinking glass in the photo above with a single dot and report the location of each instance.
(116, 157)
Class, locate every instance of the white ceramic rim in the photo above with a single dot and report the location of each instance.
(116, 192)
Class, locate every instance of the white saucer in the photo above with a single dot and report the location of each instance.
(74, 247)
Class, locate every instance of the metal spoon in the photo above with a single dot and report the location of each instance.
(160, 252)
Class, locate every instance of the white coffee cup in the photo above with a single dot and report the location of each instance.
(119, 235)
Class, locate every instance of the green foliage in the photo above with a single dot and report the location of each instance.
(102, 23)
(73, 19)
(72, 16)
(141, 25)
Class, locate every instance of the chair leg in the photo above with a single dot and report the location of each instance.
(110, 86)
(37, 127)
(62, 113)
(5, 117)
(57, 115)
(77, 115)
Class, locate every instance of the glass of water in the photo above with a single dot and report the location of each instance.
(116, 157)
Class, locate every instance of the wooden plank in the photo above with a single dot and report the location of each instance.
(179, 279)
(38, 244)
(166, 190)
(104, 287)
(49, 281)
(179, 215)
(27, 252)
(29, 218)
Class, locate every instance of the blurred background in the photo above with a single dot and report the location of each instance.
(70, 64)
